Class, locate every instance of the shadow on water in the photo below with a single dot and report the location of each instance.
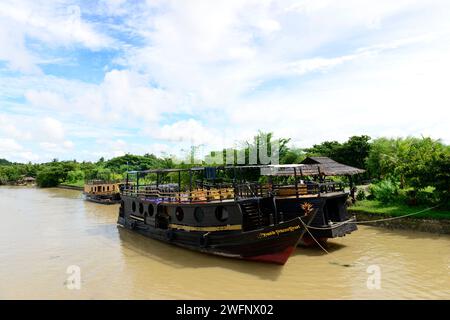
(177, 257)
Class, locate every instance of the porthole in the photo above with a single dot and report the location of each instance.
(107, 188)
(133, 206)
(199, 215)
(179, 214)
(222, 214)
(150, 210)
(141, 208)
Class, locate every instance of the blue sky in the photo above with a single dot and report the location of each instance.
(86, 79)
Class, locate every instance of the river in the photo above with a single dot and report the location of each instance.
(43, 232)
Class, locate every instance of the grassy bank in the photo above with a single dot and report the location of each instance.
(79, 184)
(398, 209)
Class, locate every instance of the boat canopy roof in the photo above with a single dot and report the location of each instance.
(196, 169)
(309, 167)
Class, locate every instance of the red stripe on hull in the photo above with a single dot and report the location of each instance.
(278, 257)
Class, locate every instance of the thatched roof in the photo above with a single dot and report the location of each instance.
(330, 167)
(312, 166)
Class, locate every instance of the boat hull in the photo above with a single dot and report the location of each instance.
(111, 199)
(272, 244)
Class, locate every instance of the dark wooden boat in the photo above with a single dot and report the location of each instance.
(310, 192)
(103, 192)
(210, 215)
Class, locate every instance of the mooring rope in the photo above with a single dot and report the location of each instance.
(307, 230)
(357, 222)
(373, 221)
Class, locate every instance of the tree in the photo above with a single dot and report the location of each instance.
(292, 156)
(4, 162)
(75, 176)
(50, 177)
(353, 152)
(414, 162)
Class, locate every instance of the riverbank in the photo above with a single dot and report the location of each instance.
(70, 187)
(435, 221)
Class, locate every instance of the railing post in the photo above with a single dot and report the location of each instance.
(137, 184)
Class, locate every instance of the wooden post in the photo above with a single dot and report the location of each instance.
(190, 185)
(137, 183)
(235, 190)
(179, 186)
(296, 183)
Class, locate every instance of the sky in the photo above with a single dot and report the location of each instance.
(89, 79)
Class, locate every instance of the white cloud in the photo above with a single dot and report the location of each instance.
(190, 130)
(51, 129)
(55, 25)
(122, 95)
(214, 73)
(59, 148)
(9, 145)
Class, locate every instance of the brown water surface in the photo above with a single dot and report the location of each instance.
(44, 231)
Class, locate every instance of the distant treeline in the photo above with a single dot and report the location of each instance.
(411, 164)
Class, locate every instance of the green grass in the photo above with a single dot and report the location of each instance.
(398, 209)
(74, 184)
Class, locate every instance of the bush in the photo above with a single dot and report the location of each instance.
(75, 176)
(50, 177)
(360, 195)
(425, 197)
(385, 191)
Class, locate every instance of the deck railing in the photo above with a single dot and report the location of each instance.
(195, 195)
(223, 191)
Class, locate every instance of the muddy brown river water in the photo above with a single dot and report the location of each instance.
(43, 232)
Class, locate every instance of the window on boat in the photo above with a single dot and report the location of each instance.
(141, 208)
(199, 215)
(133, 206)
(179, 213)
(107, 188)
(150, 210)
(222, 214)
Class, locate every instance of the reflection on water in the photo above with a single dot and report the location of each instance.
(43, 231)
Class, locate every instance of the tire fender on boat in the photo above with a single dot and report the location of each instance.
(169, 235)
(203, 240)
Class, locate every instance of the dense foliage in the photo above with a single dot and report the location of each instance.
(353, 152)
(410, 169)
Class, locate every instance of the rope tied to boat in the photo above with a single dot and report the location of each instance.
(309, 232)
(373, 221)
